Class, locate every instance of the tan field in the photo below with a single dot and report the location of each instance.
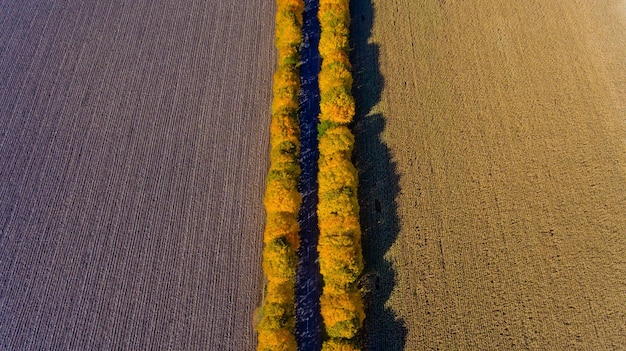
(504, 128)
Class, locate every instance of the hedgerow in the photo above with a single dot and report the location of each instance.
(276, 328)
(339, 247)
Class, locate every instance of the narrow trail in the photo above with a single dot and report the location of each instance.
(308, 280)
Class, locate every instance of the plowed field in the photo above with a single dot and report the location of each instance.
(133, 154)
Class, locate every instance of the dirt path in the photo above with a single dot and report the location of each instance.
(133, 154)
(506, 121)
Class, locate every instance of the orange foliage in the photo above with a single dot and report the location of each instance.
(343, 314)
(282, 225)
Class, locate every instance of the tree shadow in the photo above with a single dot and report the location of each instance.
(378, 187)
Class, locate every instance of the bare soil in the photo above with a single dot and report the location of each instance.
(133, 154)
(505, 122)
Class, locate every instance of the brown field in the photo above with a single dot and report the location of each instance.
(504, 127)
(133, 154)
